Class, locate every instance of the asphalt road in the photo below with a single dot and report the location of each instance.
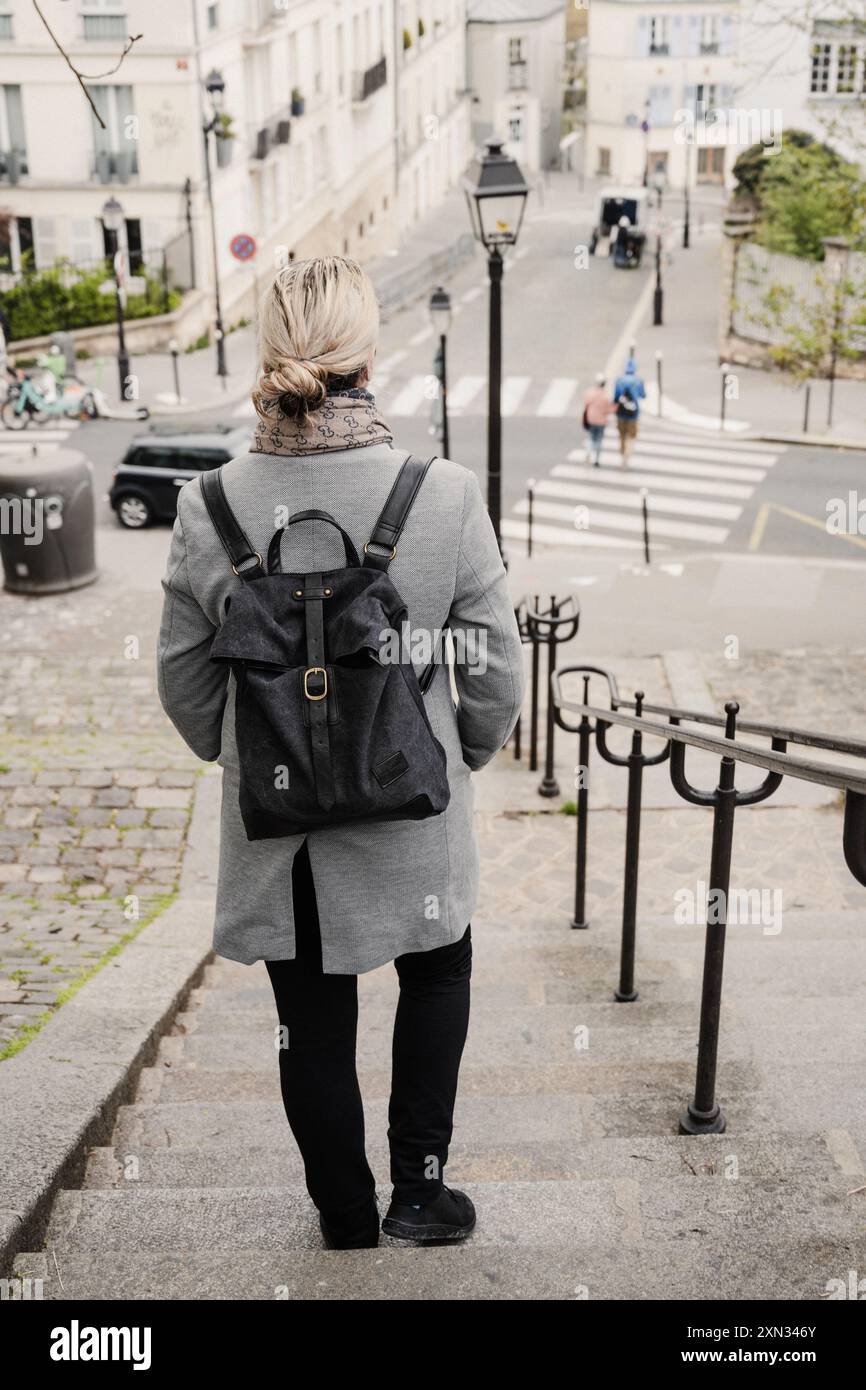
(565, 318)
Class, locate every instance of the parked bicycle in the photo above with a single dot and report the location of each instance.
(27, 404)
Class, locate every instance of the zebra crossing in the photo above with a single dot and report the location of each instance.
(696, 489)
(42, 438)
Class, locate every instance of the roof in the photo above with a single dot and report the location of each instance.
(511, 11)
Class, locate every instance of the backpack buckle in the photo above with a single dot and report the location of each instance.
(378, 552)
(315, 671)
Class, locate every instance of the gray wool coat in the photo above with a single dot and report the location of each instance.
(384, 888)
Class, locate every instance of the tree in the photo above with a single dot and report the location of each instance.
(751, 166)
(808, 193)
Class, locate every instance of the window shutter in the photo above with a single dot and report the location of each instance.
(642, 33)
(44, 242)
(85, 245)
(726, 40)
(678, 36)
(694, 38)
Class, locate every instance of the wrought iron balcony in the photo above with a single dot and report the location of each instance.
(265, 135)
(365, 83)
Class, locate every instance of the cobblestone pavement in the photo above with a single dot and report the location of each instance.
(95, 790)
(820, 690)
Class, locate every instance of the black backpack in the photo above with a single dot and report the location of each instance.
(327, 731)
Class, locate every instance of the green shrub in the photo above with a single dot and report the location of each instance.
(67, 297)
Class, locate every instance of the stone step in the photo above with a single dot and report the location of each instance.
(606, 1080)
(534, 1118)
(592, 1211)
(764, 1267)
(711, 1157)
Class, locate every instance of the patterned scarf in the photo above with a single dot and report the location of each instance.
(348, 419)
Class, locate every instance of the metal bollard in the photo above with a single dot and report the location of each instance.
(533, 709)
(635, 762)
(530, 498)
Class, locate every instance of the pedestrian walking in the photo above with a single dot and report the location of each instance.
(628, 392)
(321, 906)
(597, 409)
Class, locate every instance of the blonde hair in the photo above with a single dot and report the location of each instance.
(318, 326)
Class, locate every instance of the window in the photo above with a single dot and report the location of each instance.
(709, 38)
(603, 160)
(13, 146)
(518, 67)
(846, 67)
(116, 143)
(821, 53)
(706, 98)
(213, 16)
(6, 26)
(659, 41)
(16, 244)
(100, 25)
(515, 128)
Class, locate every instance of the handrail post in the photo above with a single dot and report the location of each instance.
(626, 993)
(579, 922)
(533, 713)
(548, 785)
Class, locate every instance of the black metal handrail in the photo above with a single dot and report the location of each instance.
(703, 1115)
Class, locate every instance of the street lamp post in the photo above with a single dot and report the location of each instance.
(496, 194)
(659, 361)
(658, 296)
(112, 221)
(215, 88)
(440, 315)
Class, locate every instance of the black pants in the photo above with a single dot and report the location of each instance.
(317, 1068)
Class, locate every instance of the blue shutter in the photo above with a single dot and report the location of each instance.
(642, 33)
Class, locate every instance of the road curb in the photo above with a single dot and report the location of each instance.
(812, 441)
(60, 1095)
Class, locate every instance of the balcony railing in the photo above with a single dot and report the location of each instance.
(115, 166)
(365, 83)
(13, 163)
(659, 50)
(265, 135)
(105, 26)
(711, 46)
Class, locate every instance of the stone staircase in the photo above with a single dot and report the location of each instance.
(565, 1139)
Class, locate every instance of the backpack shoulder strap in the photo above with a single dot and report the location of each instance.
(394, 514)
(234, 539)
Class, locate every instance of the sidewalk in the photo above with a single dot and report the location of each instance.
(766, 405)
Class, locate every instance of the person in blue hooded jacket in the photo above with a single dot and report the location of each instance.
(628, 393)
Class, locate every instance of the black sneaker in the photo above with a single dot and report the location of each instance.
(450, 1217)
(361, 1233)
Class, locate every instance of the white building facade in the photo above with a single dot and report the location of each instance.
(322, 110)
(516, 65)
(659, 71)
(809, 62)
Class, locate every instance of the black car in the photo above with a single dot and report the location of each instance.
(156, 465)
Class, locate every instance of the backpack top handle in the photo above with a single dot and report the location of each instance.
(275, 564)
(394, 514)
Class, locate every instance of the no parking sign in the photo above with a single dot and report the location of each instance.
(243, 246)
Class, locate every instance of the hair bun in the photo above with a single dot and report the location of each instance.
(291, 386)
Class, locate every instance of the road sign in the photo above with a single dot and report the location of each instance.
(242, 247)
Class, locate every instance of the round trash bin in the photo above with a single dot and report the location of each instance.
(47, 522)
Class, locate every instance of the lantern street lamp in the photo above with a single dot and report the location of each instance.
(496, 194)
(112, 221)
(440, 317)
(215, 87)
